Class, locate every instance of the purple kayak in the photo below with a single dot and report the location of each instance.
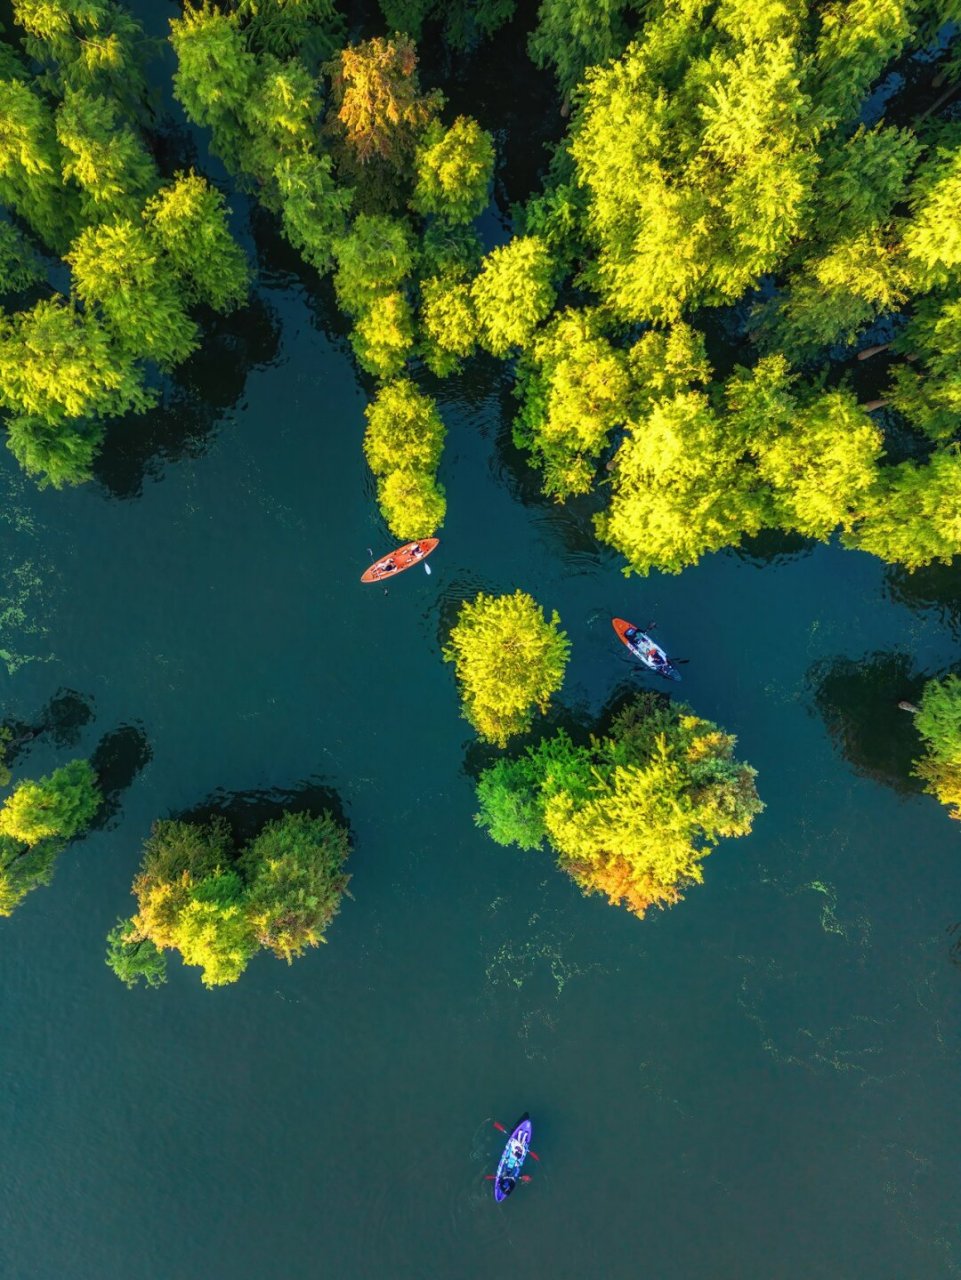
(515, 1153)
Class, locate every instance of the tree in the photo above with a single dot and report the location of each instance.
(454, 168)
(939, 723)
(465, 22)
(373, 260)
(187, 219)
(574, 390)
(509, 659)
(295, 872)
(20, 266)
(30, 178)
(576, 34)
(412, 502)
(59, 364)
(513, 293)
(93, 44)
(215, 78)
(383, 336)
(133, 958)
(912, 516)
(449, 322)
(59, 806)
(403, 429)
(631, 814)
(23, 868)
(680, 488)
(122, 277)
(105, 157)
(377, 114)
(314, 208)
(289, 27)
(56, 453)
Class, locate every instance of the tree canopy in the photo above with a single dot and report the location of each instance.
(509, 659)
(632, 813)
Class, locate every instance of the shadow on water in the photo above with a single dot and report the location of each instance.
(247, 812)
(858, 702)
(937, 588)
(773, 546)
(199, 391)
(117, 759)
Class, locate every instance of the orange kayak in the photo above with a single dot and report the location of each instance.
(404, 557)
(643, 647)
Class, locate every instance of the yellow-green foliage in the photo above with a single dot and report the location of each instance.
(513, 293)
(450, 323)
(404, 429)
(59, 806)
(575, 393)
(384, 335)
(412, 502)
(454, 168)
(198, 895)
(939, 723)
(509, 660)
(24, 867)
(632, 814)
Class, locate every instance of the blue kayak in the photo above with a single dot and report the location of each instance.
(515, 1153)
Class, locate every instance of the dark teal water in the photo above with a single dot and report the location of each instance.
(759, 1083)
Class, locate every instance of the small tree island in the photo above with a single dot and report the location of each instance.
(198, 894)
(509, 660)
(631, 814)
(938, 721)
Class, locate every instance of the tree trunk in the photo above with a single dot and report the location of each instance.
(868, 352)
(909, 706)
(871, 405)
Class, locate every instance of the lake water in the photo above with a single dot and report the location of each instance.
(759, 1084)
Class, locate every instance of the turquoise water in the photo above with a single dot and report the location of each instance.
(761, 1082)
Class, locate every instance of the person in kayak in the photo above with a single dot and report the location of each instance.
(416, 551)
(387, 567)
(506, 1185)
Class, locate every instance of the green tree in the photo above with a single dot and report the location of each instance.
(55, 453)
(313, 28)
(403, 429)
(215, 78)
(632, 814)
(30, 177)
(187, 219)
(24, 868)
(122, 277)
(573, 35)
(509, 660)
(412, 502)
(939, 723)
(89, 44)
(105, 157)
(295, 872)
(59, 806)
(465, 22)
(574, 387)
(383, 336)
(133, 958)
(912, 516)
(58, 364)
(373, 260)
(513, 293)
(20, 266)
(454, 168)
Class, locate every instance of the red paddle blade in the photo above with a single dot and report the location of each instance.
(526, 1177)
(533, 1155)
(488, 1177)
(499, 1126)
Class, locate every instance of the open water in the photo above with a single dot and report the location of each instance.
(760, 1084)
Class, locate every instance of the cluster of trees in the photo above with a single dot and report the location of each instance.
(724, 160)
(37, 820)
(142, 250)
(217, 904)
(403, 445)
(632, 813)
(509, 660)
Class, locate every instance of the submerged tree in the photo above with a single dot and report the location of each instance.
(509, 660)
(633, 813)
(216, 905)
